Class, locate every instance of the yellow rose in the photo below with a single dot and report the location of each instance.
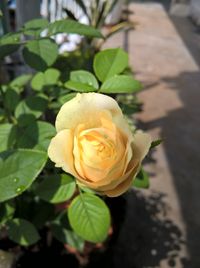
(95, 145)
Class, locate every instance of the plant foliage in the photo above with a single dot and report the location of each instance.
(28, 107)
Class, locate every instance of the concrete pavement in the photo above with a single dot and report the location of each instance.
(162, 227)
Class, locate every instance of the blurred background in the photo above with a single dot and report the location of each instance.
(162, 224)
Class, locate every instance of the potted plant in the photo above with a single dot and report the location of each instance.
(45, 211)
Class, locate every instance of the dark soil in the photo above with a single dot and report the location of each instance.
(142, 237)
(56, 255)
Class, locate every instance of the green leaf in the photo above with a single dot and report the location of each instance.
(7, 50)
(38, 82)
(40, 54)
(7, 210)
(66, 97)
(36, 135)
(42, 213)
(2, 114)
(9, 43)
(6, 136)
(71, 26)
(67, 236)
(22, 232)
(19, 168)
(19, 82)
(35, 106)
(49, 77)
(131, 108)
(10, 38)
(110, 62)
(76, 86)
(84, 77)
(86, 189)
(141, 180)
(89, 217)
(56, 188)
(35, 26)
(11, 99)
(120, 84)
(156, 143)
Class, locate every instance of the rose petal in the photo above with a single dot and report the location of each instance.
(120, 189)
(85, 108)
(140, 148)
(60, 151)
(141, 144)
(124, 186)
(95, 144)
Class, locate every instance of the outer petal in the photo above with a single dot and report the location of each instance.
(120, 189)
(123, 187)
(122, 124)
(60, 151)
(85, 108)
(141, 145)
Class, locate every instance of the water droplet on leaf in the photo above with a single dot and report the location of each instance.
(16, 180)
(20, 189)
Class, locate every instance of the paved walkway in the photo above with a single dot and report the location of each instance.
(164, 229)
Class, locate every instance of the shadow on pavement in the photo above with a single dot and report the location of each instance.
(152, 236)
(182, 145)
(181, 129)
(146, 236)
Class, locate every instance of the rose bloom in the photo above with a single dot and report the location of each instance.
(95, 144)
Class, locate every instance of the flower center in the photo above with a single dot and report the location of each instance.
(97, 145)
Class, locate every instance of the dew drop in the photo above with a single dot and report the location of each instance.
(16, 180)
(20, 189)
